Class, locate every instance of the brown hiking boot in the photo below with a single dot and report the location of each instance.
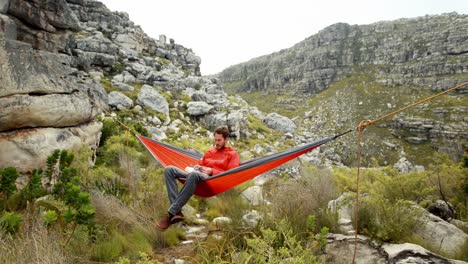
(177, 218)
(164, 223)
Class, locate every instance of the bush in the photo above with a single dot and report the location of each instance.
(279, 246)
(8, 177)
(295, 200)
(10, 222)
(385, 220)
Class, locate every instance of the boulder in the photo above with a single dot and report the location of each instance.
(4, 6)
(52, 110)
(149, 97)
(48, 15)
(253, 195)
(411, 253)
(120, 101)
(281, 123)
(442, 209)
(252, 218)
(28, 149)
(403, 165)
(440, 234)
(198, 108)
(8, 27)
(340, 250)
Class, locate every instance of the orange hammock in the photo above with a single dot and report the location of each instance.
(170, 155)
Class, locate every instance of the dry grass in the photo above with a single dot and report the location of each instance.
(41, 246)
(295, 200)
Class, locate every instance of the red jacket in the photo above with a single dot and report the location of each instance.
(220, 159)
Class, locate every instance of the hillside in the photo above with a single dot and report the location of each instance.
(77, 81)
(348, 73)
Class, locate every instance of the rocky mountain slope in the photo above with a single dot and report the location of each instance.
(66, 65)
(53, 55)
(347, 73)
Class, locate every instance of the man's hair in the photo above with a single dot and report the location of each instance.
(222, 131)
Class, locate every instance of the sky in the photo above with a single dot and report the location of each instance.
(224, 33)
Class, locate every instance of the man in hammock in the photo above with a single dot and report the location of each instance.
(216, 160)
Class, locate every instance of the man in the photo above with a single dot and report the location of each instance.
(216, 160)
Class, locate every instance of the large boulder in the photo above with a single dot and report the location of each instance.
(52, 110)
(440, 234)
(48, 15)
(340, 249)
(411, 253)
(8, 27)
(198, 108)
(120, 101)
(4, 6)
(29, 148)
(281, 123)
(442, 209)
(149, 97)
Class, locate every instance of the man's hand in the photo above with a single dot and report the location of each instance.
(206, 170)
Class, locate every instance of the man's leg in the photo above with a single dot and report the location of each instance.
(171, 174)
(193, 178)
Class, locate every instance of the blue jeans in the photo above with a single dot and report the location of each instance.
(176, 198)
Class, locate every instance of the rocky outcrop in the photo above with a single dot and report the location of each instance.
(28, 149)
(372, 70)
(340, 249)
(405, 51)
(53, 52)
(279, 122)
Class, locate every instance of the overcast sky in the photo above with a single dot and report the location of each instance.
(224, 33)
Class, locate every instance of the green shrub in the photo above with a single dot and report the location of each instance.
(386, 220)
(50, 218)
(7, 182)
(10, 222)
(279, 246)
(109, 249)
(315, 189)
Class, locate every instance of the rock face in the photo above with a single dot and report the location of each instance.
(435, 45)
(388, 61)
(48, 96)
(28, 149)
(340, 249)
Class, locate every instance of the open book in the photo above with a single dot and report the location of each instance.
(190, 169)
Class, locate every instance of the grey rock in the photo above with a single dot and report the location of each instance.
(4, 6)
(222, 220)
(156, 133)
(29, 149)
(253, 195)
(198, 108)
(123, 86)
(124, 77)
(120, 101)
(440, 234)
(213, 121)
(252, 218)
(8, 27)
(49, 15)
(97, 43)
(53, 110)
(149, 97)
(411, 253)
(442, 209)
(403, 165)
(281, 123)
(340, 250)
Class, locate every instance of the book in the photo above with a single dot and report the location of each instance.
(189, 169)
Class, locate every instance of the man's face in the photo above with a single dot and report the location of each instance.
(220, 141)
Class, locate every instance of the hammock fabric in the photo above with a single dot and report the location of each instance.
(170, 155)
